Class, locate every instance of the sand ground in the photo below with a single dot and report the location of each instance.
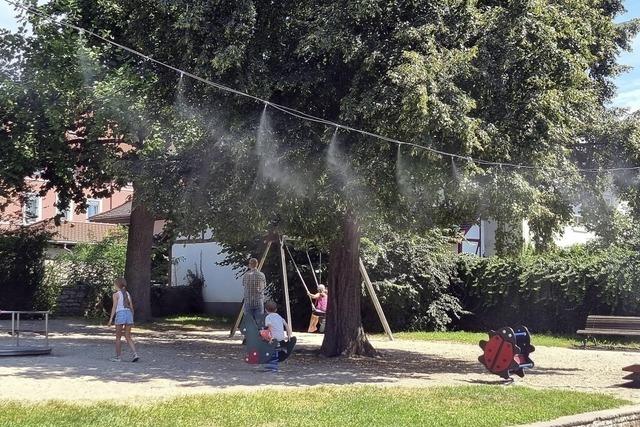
(180, 361)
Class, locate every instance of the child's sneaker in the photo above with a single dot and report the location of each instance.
(116, 359)
(135, 358)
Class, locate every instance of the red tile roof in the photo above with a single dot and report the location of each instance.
(76, 232)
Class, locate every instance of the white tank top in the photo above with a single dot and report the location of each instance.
(120, 304)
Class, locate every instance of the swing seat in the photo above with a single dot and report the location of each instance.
(318, 313)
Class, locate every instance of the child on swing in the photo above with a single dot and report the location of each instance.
(276, 326)
(321, 299)
(122, 313)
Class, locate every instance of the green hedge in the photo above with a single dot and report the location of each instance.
(96, 265)
(173, 300)
(423, 285)
(22, 252)
(412, 279)
(551, 292)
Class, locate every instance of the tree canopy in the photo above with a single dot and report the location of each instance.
(520, 82)
(501, 81)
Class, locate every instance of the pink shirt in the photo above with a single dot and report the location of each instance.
(321, 303)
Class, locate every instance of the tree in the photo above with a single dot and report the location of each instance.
(492, 80)
(501, 82)
(609, 200)
(43, 128)
(85, 127)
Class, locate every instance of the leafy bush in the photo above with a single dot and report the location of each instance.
(55, 276)
(172, 300)
(97, 265)
(423, 285)
(412, 278)
(22, 268)
(549, 292)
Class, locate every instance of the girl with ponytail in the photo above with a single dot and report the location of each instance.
(122, 311)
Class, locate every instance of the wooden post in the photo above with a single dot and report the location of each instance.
(236, 325)
(285, 283)
(374, 298)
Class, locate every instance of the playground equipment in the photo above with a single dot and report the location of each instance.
(20, 344)
(281, 240)
(634, 375)
(507, 352)
(314, 310)
(259, 351)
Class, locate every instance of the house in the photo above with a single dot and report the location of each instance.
(67, 234)
(222, 292)
(121, 215)
(39, 210)
(202, 255)
(480, 238)
(39, 207)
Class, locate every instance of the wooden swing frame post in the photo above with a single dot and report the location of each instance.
(374, 299)
(285, 284)
(285, 281)
(236, 325)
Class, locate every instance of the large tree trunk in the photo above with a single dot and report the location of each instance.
(344, 334)
(138, 265)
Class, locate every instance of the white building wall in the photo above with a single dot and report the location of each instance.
(488, 237)
(574, 235)
(222, 291)
(486, 231)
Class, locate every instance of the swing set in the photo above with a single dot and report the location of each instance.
(314, 310)
(281, 240)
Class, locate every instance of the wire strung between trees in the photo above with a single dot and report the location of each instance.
(300, 114)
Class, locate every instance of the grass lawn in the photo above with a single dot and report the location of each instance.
(546, 340)
(475, 337)
(345, 406)
(187, 320)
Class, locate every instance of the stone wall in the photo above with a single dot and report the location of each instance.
(628, 416)
(73, 301)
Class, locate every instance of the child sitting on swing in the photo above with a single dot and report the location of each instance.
(321, 299)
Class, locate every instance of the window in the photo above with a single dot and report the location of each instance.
(37, 175)
(471, 239)
(31, 209)
(578, 220)
(67, 213)
(93, 207)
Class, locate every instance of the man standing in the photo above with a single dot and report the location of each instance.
(254, 283)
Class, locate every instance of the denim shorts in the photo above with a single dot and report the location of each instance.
(124, 317)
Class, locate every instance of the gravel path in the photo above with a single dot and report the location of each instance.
(197, 360)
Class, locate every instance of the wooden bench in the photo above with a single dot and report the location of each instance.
(625, 326)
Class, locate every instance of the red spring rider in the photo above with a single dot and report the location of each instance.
(507, 352)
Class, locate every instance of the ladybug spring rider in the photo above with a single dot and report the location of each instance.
(507, 352)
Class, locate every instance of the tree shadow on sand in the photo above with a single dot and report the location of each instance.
(200, 358)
